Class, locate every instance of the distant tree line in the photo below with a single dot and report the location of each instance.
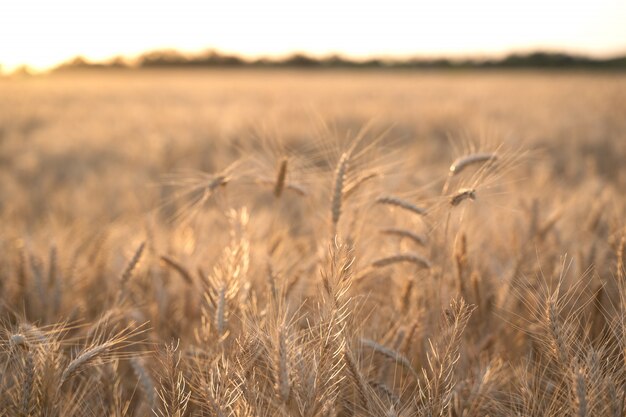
(209, 59)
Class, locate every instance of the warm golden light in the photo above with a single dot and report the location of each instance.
(42, 33)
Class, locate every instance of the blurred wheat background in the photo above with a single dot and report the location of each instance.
(313, 243)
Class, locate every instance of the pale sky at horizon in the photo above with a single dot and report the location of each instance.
(43, 33)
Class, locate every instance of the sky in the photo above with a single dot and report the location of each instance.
(43, 33)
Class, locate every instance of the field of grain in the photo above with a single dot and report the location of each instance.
(313, 243)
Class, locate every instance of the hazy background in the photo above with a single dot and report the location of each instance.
(41, 33)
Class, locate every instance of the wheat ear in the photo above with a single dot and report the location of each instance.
(340, 176)
(281, 176)
(405, 233)
(176, 266)
(128, 272)
(462, 195)
(402, 258)
(463, 162)
(403, 204)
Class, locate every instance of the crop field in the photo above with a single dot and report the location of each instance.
(313, 243)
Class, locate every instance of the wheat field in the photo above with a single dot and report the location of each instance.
(313, 243)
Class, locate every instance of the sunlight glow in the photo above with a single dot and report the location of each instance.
(42, 33)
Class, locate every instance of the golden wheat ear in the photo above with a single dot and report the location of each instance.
(403, 204)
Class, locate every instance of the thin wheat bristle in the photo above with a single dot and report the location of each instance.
(397, 202)
(287, 186)
(465, 161)
(405, 233)
(462, 195)
(357, 183)
(402, 258)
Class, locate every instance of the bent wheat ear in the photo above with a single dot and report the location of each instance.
(465, 161)
(391, 354)
(184, 274)
(84, 358)
(462, 195)
(405, 233)
(403, 204)
(402, 258)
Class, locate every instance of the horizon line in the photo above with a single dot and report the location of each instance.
(137, 60)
